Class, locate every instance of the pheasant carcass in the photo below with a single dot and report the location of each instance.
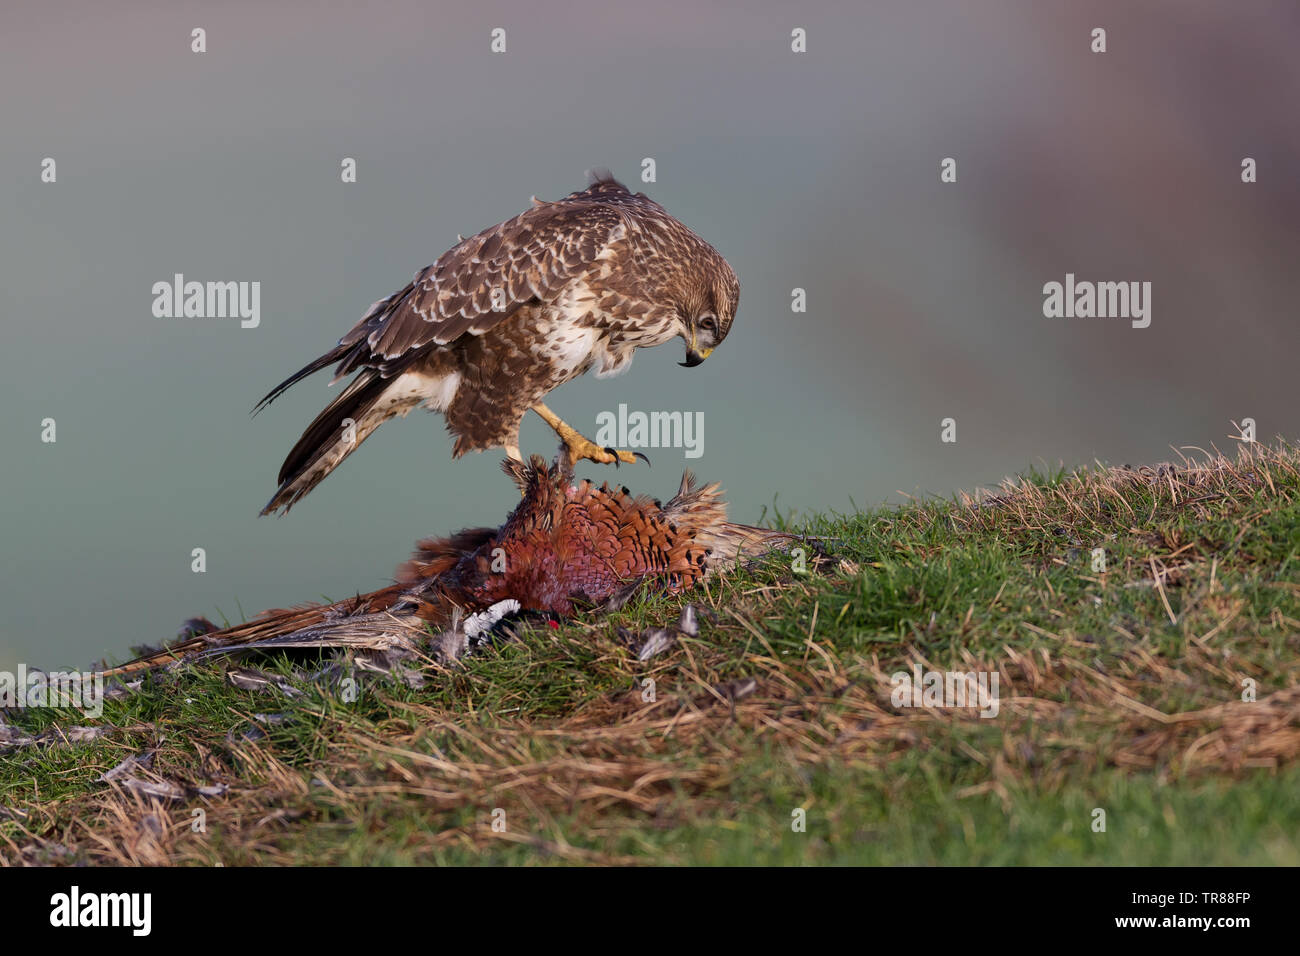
(567, 547)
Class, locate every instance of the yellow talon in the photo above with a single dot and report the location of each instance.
(580, 447)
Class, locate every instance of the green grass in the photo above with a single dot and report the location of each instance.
(1121, 692)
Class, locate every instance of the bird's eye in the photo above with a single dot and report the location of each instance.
(709, 324)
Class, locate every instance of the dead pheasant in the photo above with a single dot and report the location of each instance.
(566, 547)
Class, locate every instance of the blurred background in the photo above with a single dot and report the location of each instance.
(817, 170)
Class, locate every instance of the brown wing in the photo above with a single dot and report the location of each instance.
(528, 258)
(525, 259)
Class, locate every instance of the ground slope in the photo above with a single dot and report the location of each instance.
(1157, 693)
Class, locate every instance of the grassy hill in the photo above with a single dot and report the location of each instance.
(1120, 691)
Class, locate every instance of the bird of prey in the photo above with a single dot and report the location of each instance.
(504, 317)
(565, 548)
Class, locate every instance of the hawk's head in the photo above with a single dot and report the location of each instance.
(708, 308)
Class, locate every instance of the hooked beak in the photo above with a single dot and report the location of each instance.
(695, 357)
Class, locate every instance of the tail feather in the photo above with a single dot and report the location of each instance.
(265, 630)
(326, 442)
(326, 360)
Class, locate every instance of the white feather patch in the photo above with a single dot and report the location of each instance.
(483, 621)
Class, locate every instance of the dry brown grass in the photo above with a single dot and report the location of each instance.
(620, 757)
(617, 767)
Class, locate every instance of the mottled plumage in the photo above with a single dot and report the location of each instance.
(504, 317)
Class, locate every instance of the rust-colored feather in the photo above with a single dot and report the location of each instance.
(564, 547)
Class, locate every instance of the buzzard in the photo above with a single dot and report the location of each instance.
(503, 317)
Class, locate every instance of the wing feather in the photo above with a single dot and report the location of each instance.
(528, 258)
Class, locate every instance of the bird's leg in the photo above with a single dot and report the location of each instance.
(581, 447)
